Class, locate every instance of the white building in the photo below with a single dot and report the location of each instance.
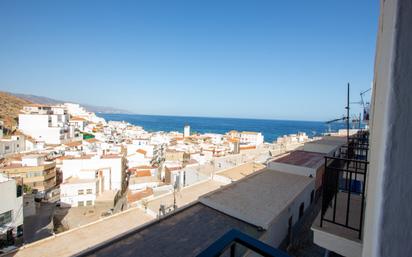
(186, 131)
(112, 165)
(79, 111)
(268, 199)
(82, 190)
(13, 145)
(215, 139)
(159, 139)
(46, 123)
(11, 208)
(251, 138)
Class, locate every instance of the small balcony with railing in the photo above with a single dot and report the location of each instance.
(339, 225)
(235, 243)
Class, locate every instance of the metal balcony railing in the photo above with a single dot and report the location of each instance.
(234, 237)
(343, 199)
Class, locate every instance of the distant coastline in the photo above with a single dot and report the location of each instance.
(271, 129)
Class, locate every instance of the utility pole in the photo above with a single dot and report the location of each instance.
(347, 117)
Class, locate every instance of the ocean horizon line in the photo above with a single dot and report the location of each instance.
(209, 117)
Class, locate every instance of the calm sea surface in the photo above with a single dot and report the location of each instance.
(271, 129)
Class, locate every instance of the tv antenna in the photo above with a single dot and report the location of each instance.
(344, 118)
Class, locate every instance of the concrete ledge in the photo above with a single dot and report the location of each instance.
(337, 244)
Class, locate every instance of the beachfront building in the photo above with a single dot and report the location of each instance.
(37, 173)
(47, 123)
(251, 138)
(11, 210)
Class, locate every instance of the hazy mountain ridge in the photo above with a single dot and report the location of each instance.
(50, 101)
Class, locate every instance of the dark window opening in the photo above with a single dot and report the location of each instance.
(312, 195)
(301, 210)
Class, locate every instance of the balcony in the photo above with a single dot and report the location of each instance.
(230, 242)
(339, 225)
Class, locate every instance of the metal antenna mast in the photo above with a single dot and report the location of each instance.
(347, 116)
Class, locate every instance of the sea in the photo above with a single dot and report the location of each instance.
(271, 129)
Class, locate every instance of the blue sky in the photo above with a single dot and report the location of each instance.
(251, 59)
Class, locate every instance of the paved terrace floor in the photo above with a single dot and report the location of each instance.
(76, 240)
(182, 234)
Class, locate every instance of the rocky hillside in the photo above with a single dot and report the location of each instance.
(10, 106)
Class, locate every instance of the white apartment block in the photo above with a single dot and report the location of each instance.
(251, 138)
(46, 123)
(82, 190)
(113, 166)
(79, 111)
(11, 207)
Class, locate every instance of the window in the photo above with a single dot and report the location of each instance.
(19, 190)
(6, 147)
(88, 203)
(32, 174)
(80, 191)
(312, 194)
(89, 191)
(80, 203)
(5, 218)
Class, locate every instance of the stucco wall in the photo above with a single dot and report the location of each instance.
(388, 223)
(278, 230)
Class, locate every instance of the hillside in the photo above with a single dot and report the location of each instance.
(49, 101)
(10, 106)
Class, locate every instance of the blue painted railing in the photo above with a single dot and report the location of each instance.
(233, 237)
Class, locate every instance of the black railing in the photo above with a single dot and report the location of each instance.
(344, 185)
(234, 237)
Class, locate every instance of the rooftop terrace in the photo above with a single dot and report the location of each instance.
(302, 158)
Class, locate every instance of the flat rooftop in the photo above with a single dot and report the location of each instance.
(322, 146)
(241, 171)
(184, 233)
(185, 196)
(76, 180)
(325, 141)
(79, 239)
(341, 138)
(302, 158)
(259, 198)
